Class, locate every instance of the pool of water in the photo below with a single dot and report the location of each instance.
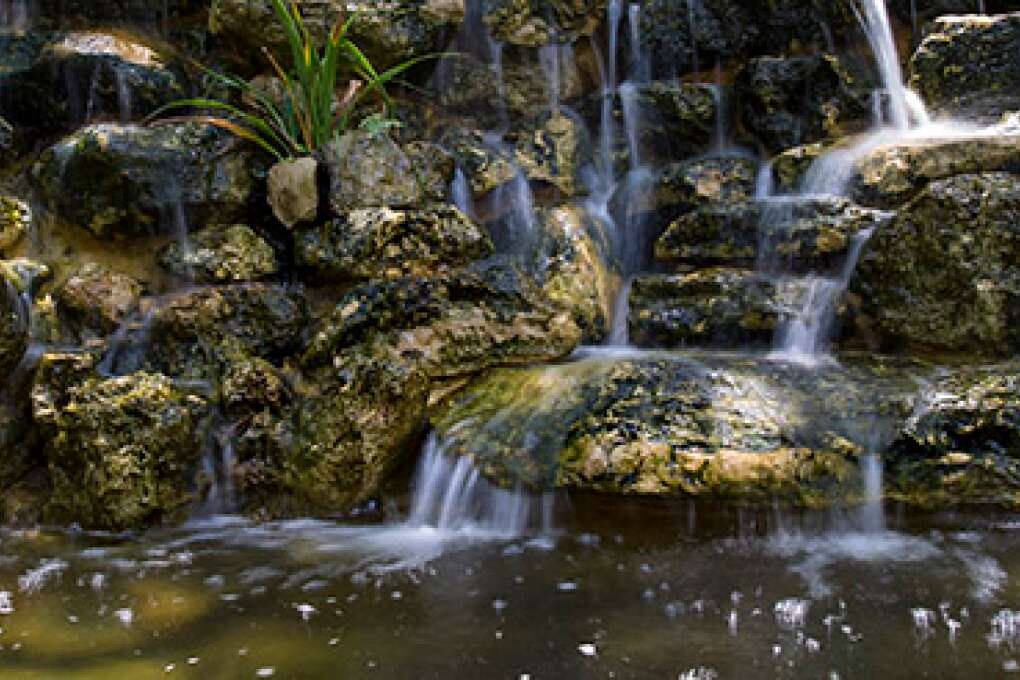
(623, 588)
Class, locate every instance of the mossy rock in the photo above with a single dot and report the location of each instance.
(221, 254)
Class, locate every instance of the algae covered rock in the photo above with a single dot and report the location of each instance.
(708, 307)
(123, 180)
(377, 243)
(121, 451)
(944, 274)
(221, 254)
(962, 443)
(969, 65)
(789, 101)
(687, 185)
(534, 24)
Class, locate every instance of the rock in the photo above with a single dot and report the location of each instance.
(370, 171)
(789, 101)
(294, 190)
(790, 167)
(197, 334)
(944, 274)
(86, 13)
(221, 254)
(121, 180)
(533, 24)
(709, 307)
(554, 153)
(969, 65)
(94, 300)
(388, 33)
(15, 220)
(486, 166)
(374, 361)
(80, 77)
(435, 168)
(15, 308)
(382, 243)
(120, 451)
(781, 235)
(578, 276)
(707, 424)
(962, 443)
(891, 175)
(676, 121)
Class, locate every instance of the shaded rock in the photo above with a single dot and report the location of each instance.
(221, 254)
(119, 180)
(676, 121)
(62, 13)
(94, 300)
(969, 65)
(554, 153)
(962, 443)
(15, 220)
(789, 101)
(252, 384)
(891, 175)
(294, 190)
(198, 333)
(578, 276)
(388, 33)
(434, 167)
(710, 307)
(782, 235)
(376, 243)
(80, 77)
(368, 171)
(944, 274)
(538, 23)
(120, 451)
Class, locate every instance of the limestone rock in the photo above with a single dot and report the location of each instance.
(15, 219)
(676, 121)
(294, 190)
(369, 171)
(221, 254)
(554, 153)
(534, 24)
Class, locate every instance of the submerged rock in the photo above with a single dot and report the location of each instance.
(716, 307)
(944, 275)
(962, 444)
(221, 254)
(789, 101)
(969, 65)
(122, 180)
(382, 243)
(120, 450)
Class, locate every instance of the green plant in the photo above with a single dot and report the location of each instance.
(309, 115)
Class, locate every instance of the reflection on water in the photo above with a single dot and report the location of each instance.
(626, 589)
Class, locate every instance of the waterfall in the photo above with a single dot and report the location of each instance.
(449, 494)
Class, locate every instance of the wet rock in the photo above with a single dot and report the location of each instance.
(487, 166)
(381, 243)
(249, 385)
(538, 23)
(578, 277)
(120, 451)
(791, 166)
(95, 300)
(15, 306)
(709, 307)
(961, 444)
(789, 101)
(388, 33)
(891, 175)
(968, 65)
(197, 334)
(294, 190)
(81, 77)
(435, 168)
(368, 171)
(122, 180)
(943, 275)
(221, 254)
(676, 121)
(15, 220)
(63, 13)
(781, 235)
(554, 153)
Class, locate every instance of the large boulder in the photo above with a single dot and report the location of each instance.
(370, 370)
(673, 120)
(969, 65)
(719, 307)
(380, 243)
(944, 275)
(962, 443)
(789, 101)
(120, 450)
(221, 254)
(117, 180)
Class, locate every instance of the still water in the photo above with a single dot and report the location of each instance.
(621, 588)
